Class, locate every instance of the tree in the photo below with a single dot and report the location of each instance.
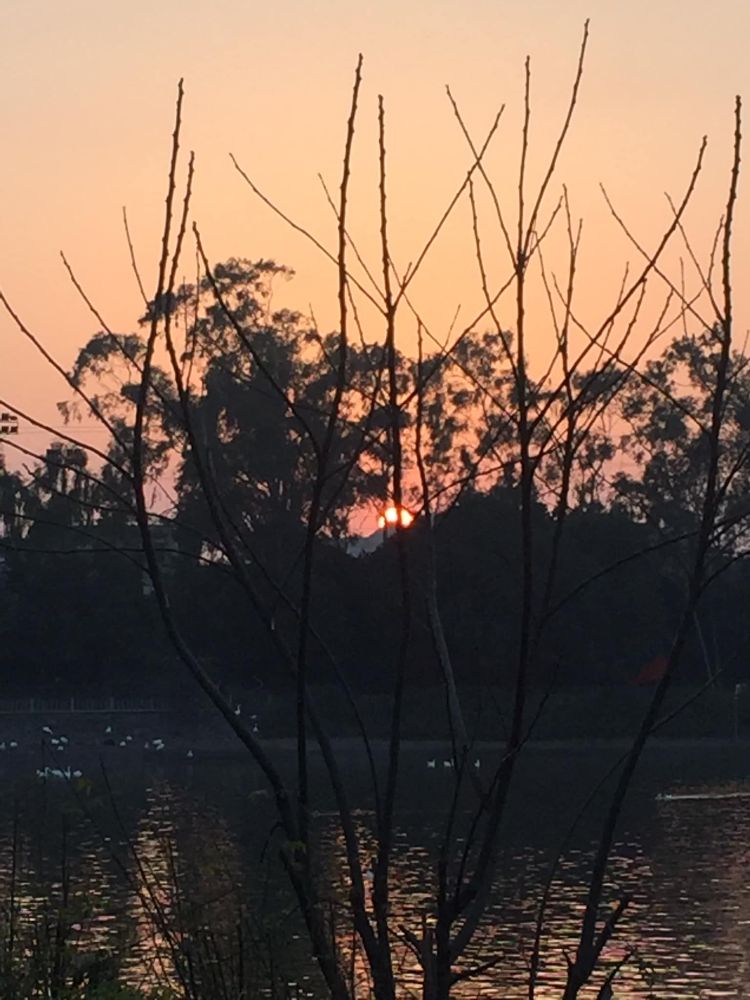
(667, 413)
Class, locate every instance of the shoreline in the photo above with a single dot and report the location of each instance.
(231, 748)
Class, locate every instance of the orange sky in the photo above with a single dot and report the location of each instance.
(87, 92)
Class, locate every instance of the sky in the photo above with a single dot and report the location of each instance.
(87, 93)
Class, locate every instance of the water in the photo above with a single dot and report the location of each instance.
(154, 836)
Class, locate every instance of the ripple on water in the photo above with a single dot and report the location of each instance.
(683, 860)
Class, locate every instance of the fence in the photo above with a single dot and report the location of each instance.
(51, 706)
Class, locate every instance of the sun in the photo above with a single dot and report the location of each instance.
(392, 515)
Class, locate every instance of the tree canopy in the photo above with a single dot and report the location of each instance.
(258, 382)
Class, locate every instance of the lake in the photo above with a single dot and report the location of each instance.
(156, 832)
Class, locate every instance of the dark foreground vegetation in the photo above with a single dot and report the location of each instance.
(175, 923)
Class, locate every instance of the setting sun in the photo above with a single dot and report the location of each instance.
(391, 516)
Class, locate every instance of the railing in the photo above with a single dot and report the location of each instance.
(52, 706)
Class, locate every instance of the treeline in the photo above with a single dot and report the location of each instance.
(620, 459)
(78, 615)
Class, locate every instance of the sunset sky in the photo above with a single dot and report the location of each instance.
(87, 104)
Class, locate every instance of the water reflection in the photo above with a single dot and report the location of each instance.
(685, 932)
(178, 875)
(197, 905)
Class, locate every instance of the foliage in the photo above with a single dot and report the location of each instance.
(668, 413)
(55, 515)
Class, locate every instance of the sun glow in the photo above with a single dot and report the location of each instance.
(392, 515)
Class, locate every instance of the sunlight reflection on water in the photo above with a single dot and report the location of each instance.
(684, 863)
(683, 936)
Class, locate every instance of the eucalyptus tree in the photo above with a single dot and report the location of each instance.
(666, 415)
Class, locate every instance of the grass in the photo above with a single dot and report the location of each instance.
(189, 932)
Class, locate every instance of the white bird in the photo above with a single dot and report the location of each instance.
(54, 741)
(237, 709)
(2, 745)
(128, 739)
(64, 739)
(108, 730)
(447, 763)
(123, 743)
(54, 772)
(477, 763)
(431, 763)
(190, 754)
(47, 730)
(77, 774)
(13, 744)
(147, 745)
